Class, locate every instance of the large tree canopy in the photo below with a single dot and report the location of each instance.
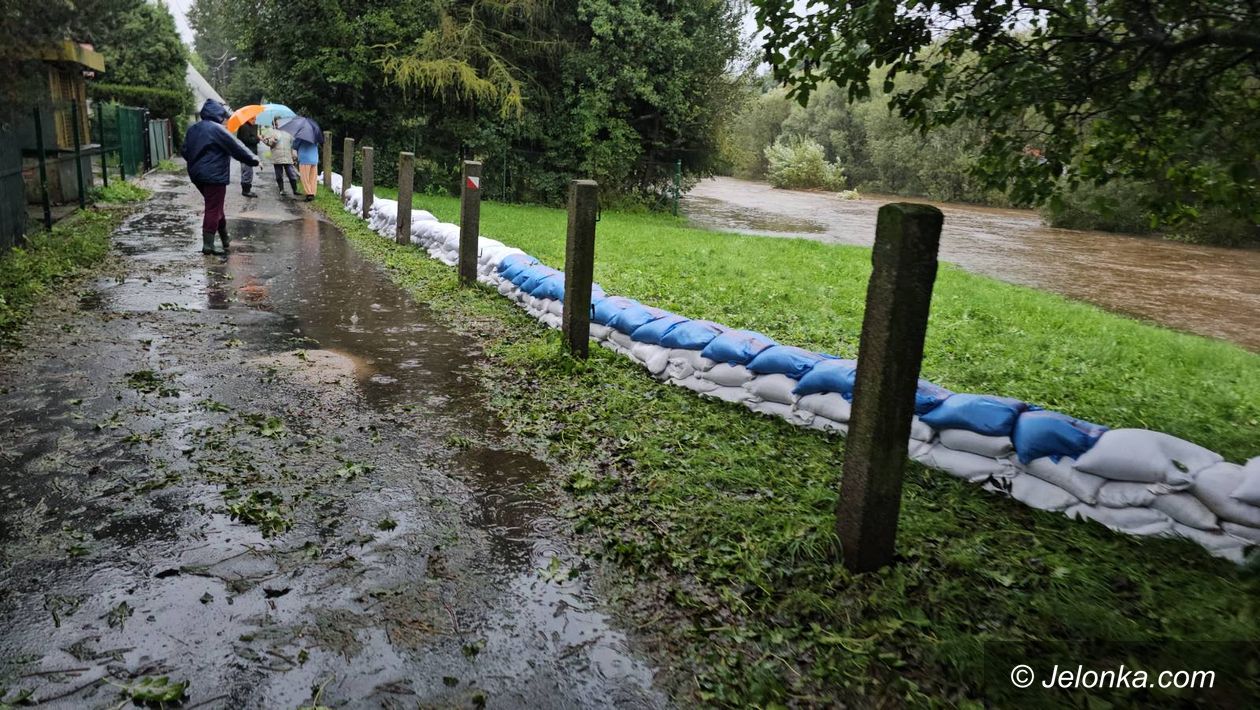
(144, 49)
(541, 90)
(1066, 91)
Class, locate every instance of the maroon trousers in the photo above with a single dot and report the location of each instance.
(213, 220)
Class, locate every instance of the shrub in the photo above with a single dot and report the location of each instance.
(800, 163)
(1118, 206)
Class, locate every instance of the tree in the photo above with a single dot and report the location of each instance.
(144, 49)
(26, 26)
(1065, 91)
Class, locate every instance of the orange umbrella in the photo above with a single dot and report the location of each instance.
(242, 115)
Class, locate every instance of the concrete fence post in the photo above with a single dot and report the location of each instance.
(469, 222)
(328, 143)
(368, 186)
(347, 166)
(579, 266)
(406, 174)
(898, 299)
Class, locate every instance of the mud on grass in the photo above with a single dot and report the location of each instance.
(717, 527)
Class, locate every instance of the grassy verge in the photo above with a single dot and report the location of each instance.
(49, 258)
(718, 522)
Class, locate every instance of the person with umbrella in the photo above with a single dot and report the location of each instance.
(282, 156)
(306, 139)
(209, 150)
(248, 134)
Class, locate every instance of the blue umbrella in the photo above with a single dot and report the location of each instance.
(303, 129)
(274, 111)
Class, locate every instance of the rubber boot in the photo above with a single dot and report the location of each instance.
(223, 237)
(245, 190)
(293, 183)
(207, 243)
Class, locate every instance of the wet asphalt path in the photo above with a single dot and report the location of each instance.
(273, 476)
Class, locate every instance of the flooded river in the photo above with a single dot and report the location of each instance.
(1205, 290)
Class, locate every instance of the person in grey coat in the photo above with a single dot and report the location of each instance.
(281, 144)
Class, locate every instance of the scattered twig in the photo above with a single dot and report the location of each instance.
(55, 671)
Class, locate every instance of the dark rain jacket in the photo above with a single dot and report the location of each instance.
(248, 134)
(209, 148)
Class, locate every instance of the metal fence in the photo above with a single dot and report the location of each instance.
(54, 151)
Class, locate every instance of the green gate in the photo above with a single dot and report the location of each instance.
(131, 138)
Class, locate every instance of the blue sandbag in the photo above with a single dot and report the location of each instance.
(512, 264)
(634, 317)
(653, 331)
(1044, 433)
(526, 274)
(597, 294)
(737, 347)
(784, 360)
(610, 307)
(829, 376)
(552, 287)
(538, 274)
(980, 413)
(692, 335)
(929, 396)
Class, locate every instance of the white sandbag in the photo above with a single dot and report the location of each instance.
(418, 216)
(1249, 490)
(1242, 532)
(508, 289)
(678, 370)
(551, 321)
(653, 357)
(969, 467)
(1215, 486)
(1146, 457)
(552, 306)
(771, 409)
(486, 245)
(828, 425)
(831, 405)
(921, 431)
(728, 375)
(1187, 510)
(914, 447)
(622, 340)
(1135, 521)
(1063, 474)
(1036, 493)
(449, 258)
(1218, 543)
(600, 332)
(698, 362)
(695, 384)
(735, 395)
(773, 388)
(1126, 494)
(613, 346)
(962, 440)
(335, 183)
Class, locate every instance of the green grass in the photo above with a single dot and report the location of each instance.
(47, 259)
(719, 522)
(120, 191)
(984, 336)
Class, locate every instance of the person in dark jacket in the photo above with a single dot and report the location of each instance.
(248, 134)
(209, 150)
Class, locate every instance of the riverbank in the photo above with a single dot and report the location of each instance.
(720, 521)
(1211, 291)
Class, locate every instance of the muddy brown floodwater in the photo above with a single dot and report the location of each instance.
(1206, 290)
(274, 476)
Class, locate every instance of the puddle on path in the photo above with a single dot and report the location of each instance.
(1206, 290)
(465, 595)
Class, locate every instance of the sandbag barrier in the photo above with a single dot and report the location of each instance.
(1131, 480)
